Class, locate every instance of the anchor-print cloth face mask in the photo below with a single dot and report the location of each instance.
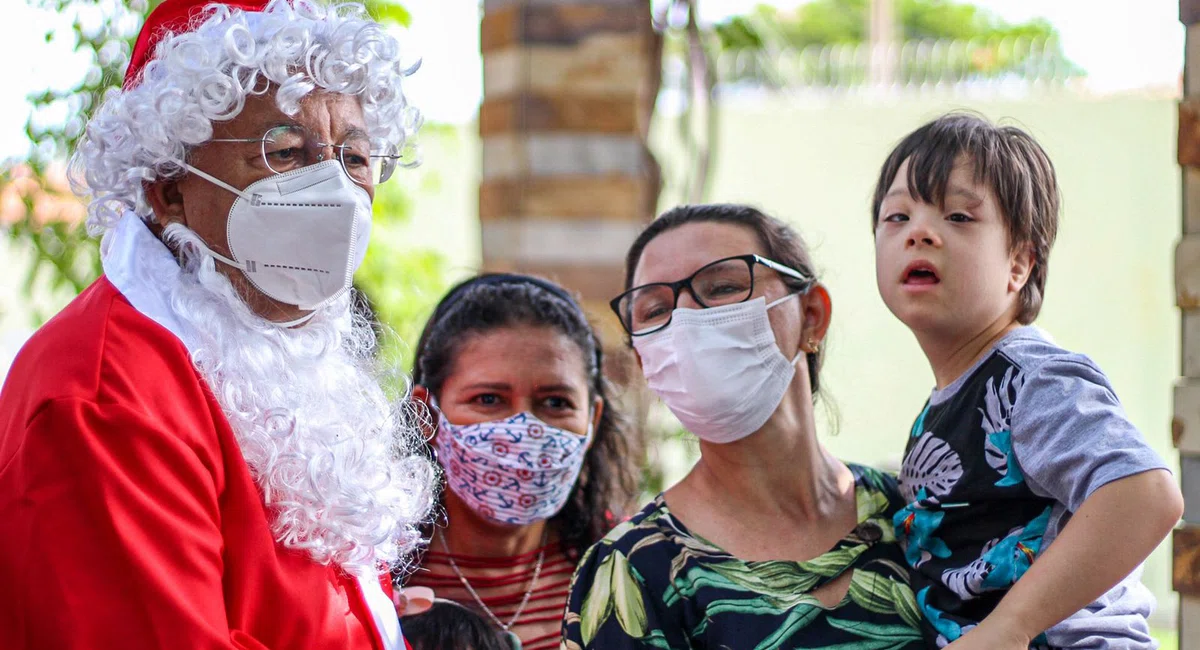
(514, 471)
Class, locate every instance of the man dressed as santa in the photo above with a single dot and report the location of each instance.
(198, 451)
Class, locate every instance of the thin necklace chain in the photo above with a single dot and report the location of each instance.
(537, 570)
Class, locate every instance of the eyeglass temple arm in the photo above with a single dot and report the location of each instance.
(316, 142)
(774, 266)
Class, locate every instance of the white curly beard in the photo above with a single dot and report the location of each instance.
(331, 455)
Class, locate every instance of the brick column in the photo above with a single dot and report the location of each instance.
(1186, 422)
(567, 179)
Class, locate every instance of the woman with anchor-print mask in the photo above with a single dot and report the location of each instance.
(533, 452)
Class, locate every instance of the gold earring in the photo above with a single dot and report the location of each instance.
(813, 346)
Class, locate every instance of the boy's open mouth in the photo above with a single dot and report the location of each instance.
(920, 273)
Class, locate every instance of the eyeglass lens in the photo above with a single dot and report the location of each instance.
(722, 283)
(287, 148)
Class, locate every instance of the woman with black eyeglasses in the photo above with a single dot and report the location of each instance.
(769, 542)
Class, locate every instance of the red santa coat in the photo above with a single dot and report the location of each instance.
(128, 516)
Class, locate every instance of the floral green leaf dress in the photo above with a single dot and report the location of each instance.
(652, 584)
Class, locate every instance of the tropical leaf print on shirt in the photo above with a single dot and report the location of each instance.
(880, 595)
(1012, 556)
(997, 426)
(1002, 562)
(615, 591)
(948, 630)
(918, 426)
(694, 594)
(967, 582)
(998, 450)
(931, 466)
(916, 525)
(873, 636)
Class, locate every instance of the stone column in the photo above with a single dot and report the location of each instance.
(1186, 422)
(567, 180)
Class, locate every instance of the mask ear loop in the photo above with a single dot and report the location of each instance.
(293, 323)
(441, 517)
(782, 300)
(215, 255)
(216, 181)
(591, 425)
(435, 416)
(801, 354)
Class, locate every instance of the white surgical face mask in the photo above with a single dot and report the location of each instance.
(298, 237)
(718, 369)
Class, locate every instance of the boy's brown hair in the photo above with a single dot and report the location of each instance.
(1004, 158)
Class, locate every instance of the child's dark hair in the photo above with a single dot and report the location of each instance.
(1004, 158)
(495, 301)
(450, 626)
(780, 243)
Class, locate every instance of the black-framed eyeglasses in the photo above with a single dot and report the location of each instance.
(367, 161)
(647, 309)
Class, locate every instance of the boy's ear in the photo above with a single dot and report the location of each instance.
(1022, 267)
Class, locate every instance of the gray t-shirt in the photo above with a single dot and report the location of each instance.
(996, 464)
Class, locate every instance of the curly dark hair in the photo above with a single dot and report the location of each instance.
(495, 301)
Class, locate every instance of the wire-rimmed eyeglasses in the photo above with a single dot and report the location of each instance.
(290, 147)
(647, 308)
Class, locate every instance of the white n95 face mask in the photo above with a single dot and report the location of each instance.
(718, 369)
(298, 237)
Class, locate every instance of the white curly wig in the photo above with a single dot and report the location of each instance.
(196, 77)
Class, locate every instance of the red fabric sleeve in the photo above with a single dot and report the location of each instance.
(119, 526)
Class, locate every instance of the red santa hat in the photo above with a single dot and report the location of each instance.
(173, 16)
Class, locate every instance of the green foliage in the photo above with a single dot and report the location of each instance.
(403, 283)
(823, 23)
(833, 22)
(942, 19)
(66, 261)
(389, 11)
(400, 282)
(103, 31)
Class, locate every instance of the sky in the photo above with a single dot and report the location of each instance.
(1122, 44)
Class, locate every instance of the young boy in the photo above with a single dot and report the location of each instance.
(1032, 500)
